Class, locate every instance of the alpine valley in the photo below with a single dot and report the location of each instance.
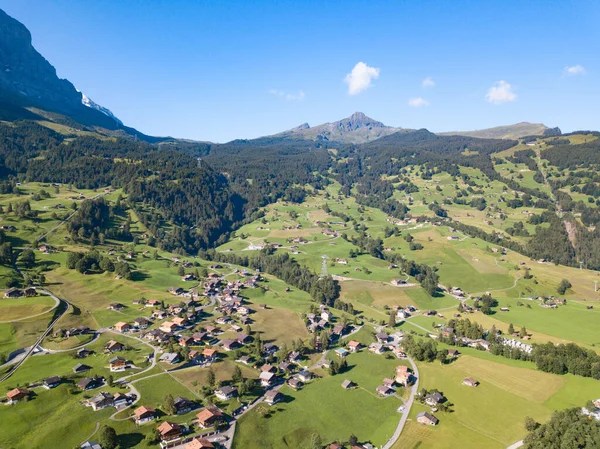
(343, 285)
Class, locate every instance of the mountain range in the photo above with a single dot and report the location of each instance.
(30, 89)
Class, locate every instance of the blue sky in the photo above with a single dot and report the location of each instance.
(219, 70)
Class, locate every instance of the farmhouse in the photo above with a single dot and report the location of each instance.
(209, 355)
(88, 383)
(100, 401)
(183, 405)
(169, 357)
(427, 418)
(141, 323)
(434, 399)
(13, 293)
(294, 383)
(304, 376)
(347, 384)
(267, 379)
(80, 368)
(354, 346)
(384, 391)
(402, 375)
(17, 394)
(168, 326)
(51, 382)
(470, 382)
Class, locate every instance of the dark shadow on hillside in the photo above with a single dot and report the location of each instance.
(130, 439)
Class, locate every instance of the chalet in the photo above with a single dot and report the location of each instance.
(427, 418)
(245, 359)
(224, 320)
(209, 355)
(89, 383)
(188, 277)
(114, 346)
(117, 364)
(453, 353)
(267, 379)
(384, 391)
(152, 303)
(326, 315)
(180, 322)
(183, 405)
(382, 337)
(244, 339)
(100, 401)
(199, 337)
(377, 348)
(354, 346)
(227, 392)
(175, 291)
(210, 417)
(30, 291)
(186, 341)
(294, 356)
(266, 368)
(295, 383)
(168, 326)
(121, 326)
(17, 394)
(273, 397)
(141, 323)
(398, 282)
(169, 357)
(347, 384)
(80, 368)
(470, 382)
(52, 382)
(434, 399)
(338, 330)
(156, 335)
(402, 375)
(120, 401)
(270, 348)
(199, 443)
(389, 382)
(159, 314)
(305, 376)
(398, 352)
(116, 306)
(144, 414)
(195, 356)
(230, 345)
(169, 431)
(13, 293)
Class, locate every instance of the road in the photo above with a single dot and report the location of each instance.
(41, 337)
(516, 445)
(407, 407)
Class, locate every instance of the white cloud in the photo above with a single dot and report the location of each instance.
(288, 96)
(575, 70)
(428, 82)
(500, 93)
(417, 102)
(360, 78)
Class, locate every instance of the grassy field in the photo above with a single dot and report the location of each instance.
(19, 308)
(324, 408)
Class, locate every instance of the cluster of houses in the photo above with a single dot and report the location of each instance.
(323, 320)
(104, 400)
(20, 292)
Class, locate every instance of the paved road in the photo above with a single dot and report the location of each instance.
(516, 445)
(407, 407)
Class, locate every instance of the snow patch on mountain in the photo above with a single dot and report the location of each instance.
(87, 101)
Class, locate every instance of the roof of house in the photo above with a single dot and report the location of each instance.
(272, 394)
(199, 443)
(16, 392)
(143, 410)
(208, 413)
(427, 416)
(167, 427)
(52, 380)
(347, 383)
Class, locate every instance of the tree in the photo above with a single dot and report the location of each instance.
(107, 437)
(169, 405)
(181, 271)
(211, 378)
(523, 332)
(531, 424)
(6, 253)
(511, 329)
(237, 376)
(353, 441)
(392, 319)
(563, 287)
(316, 442)
(442, 356)
(27, 258)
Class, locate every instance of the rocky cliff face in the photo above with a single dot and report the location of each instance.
(28, 79)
